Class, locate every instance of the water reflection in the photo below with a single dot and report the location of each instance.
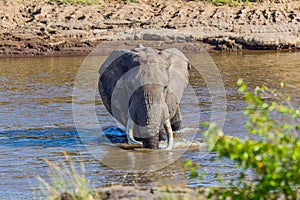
(36, 92)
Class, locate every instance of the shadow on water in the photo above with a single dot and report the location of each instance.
(55, 137)
(50, 137)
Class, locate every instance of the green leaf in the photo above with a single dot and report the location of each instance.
(204, 125)
(240, 82)
(193, 173)
(242, 88)
(187, 164)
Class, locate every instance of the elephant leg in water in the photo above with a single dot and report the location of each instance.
(167, 127)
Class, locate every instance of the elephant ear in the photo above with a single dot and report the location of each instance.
(178, 71)
(114, 67)
(176, 54)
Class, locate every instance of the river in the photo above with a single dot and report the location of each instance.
(37, 121)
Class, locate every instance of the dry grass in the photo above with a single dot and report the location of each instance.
(66, 180)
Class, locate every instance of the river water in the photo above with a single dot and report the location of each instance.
(37, 121)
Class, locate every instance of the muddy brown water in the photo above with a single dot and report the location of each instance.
(37, 124)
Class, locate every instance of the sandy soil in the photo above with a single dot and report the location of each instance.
(30, 28)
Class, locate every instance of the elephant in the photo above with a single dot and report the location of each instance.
(142, 88)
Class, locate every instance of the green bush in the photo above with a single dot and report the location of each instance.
(274, 156)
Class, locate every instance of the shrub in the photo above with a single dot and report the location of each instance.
(274, 156)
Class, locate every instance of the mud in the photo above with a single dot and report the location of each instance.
(30, 28)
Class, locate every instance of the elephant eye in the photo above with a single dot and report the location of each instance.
(189, 66)
(165, 87)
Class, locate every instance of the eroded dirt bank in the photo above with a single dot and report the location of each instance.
(43, 28)
(118, 192)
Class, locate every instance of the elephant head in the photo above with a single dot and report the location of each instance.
(142, 89)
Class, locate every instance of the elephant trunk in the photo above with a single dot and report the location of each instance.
(149, 125)
(148, 111)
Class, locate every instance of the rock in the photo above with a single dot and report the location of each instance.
(150, 193)
(163, 35)
(269, 41)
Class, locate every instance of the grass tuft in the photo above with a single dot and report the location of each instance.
(66, 181)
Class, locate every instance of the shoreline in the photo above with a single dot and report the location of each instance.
(87, 51)
(43, 28)
(154, 193)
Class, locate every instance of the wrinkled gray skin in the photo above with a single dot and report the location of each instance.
(142, 89)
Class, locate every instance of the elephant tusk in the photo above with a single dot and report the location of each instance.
(129, 132)
(168, 128)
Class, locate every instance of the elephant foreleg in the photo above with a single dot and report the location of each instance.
(176, 120)
(129, 132)
(169, 131)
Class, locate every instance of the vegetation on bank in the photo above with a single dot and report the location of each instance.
(274, 157)
(66, 182)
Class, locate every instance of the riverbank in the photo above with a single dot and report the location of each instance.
(47, 28)
(132, 193)
(152, 193)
